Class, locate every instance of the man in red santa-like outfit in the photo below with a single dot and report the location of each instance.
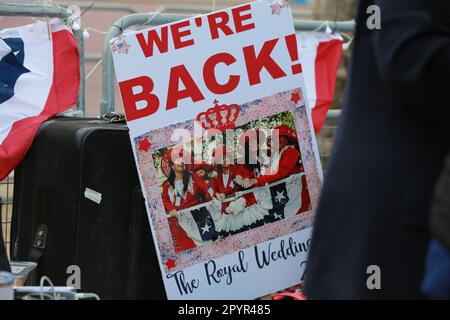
(181, 190)
(284, 163)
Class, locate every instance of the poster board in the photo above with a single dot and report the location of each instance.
(197, 93)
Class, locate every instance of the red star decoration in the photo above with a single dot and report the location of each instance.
(170, 263)
(144, 145)
(295, 97)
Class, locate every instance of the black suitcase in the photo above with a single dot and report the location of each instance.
(142, 284)
(4, 263)
(75, 204)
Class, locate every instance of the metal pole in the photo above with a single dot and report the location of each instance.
(107, 103)
(207, 9)
(101, 6)
(82, 90)
(93, 57)
(333, 114)
(30, 10)
(314, 25)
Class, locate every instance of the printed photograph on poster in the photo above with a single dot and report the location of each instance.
(223, 189)
(229, 184)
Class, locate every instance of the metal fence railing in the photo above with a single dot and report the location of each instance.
(304, 13)
(325, 142)
(326, 135)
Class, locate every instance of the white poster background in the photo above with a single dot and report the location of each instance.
(267, 26)
(282, 273)
(255, 282)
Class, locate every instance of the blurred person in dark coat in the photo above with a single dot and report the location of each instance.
(388, 152)
(436, 282)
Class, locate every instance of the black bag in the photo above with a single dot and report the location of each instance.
(142, 284)
(4, 263)
(75, 205)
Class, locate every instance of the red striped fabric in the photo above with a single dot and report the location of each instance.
(62, 96)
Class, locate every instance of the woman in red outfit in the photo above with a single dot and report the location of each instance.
(203, 170)
(181, 190)
(225, 183)
(228, 181)
(285, 163)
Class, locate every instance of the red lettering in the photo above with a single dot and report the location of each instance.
(255, 63)
(219, 20)
(130, 99)
(174, 94)
(153, 38)
(239, 18)
(178, 34)
(210, 76)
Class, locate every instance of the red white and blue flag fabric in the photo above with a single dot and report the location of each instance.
(320, 55)
(280, 200)
(39, 77)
